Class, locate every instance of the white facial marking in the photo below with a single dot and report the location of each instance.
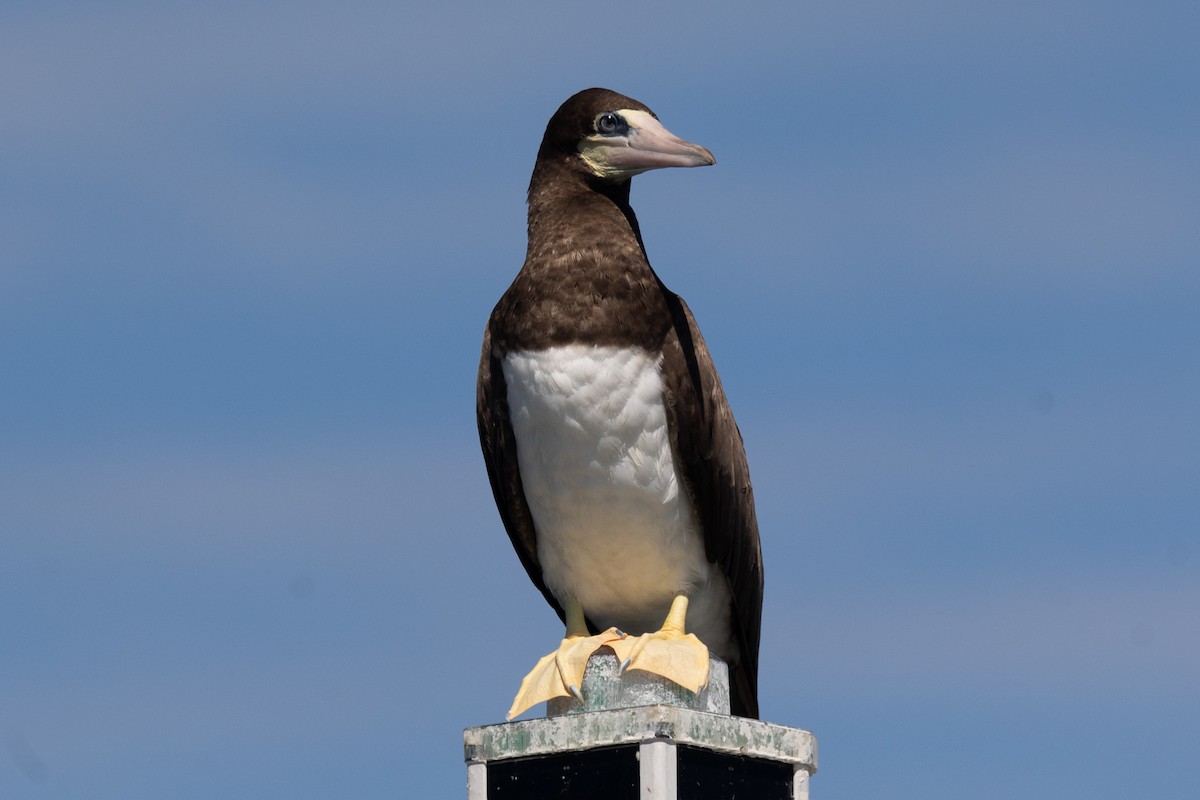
(647, 145)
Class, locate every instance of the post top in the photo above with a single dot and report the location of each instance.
(583, 731)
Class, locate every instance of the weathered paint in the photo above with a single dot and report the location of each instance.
(717, 732)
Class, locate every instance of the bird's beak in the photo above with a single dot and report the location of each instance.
(646, 146)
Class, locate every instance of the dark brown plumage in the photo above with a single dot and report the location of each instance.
(587, 280)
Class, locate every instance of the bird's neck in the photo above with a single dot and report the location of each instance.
(586, 279)
(560, 196)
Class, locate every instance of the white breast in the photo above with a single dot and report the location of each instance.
(615, 528)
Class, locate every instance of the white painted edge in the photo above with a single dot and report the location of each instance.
(658, 770)
(476, 780)
(800, 783)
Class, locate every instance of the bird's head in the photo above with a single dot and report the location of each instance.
(613, 137)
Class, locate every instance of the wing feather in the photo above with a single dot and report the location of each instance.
(499, 445)
(712, 460)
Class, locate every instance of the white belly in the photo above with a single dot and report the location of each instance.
(615, 528)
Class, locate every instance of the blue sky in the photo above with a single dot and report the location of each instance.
(948, 264)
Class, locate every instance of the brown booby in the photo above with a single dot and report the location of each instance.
(614, 459)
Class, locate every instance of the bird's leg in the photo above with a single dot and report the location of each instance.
(560, 674)
(669, 651)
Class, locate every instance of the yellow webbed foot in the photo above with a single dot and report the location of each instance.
(677, 656)
(560, 674)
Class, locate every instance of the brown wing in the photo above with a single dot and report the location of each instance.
(500, 453)
(713, 462)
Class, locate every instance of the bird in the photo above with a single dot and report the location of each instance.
(614, 459)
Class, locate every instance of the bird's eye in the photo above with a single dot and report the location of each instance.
(609, 123)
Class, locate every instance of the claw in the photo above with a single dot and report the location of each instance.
(669, 652)
(560, 673)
